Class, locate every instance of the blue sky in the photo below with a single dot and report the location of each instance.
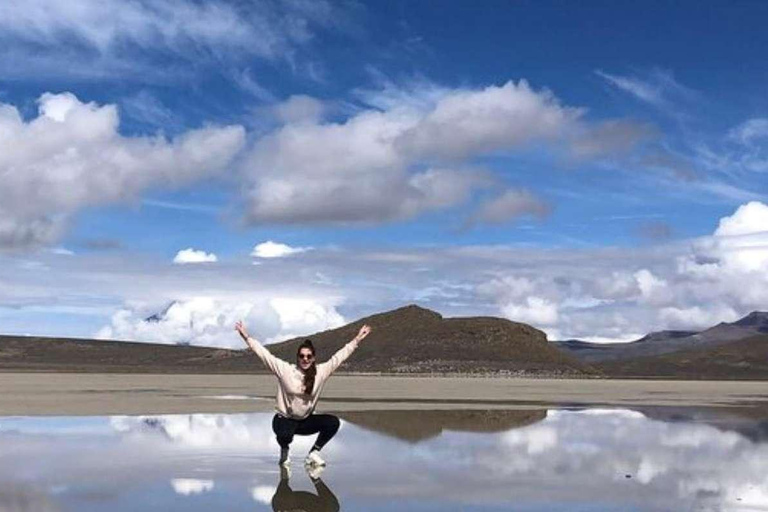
(489, 149)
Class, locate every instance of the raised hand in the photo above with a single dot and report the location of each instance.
(365, 330)
(240, 327)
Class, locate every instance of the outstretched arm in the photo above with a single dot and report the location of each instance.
(275, 364)
(345, 351)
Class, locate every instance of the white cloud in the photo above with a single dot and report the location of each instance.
(658, 88)
(263, 493)
(270, 249)
(62, 251)
(191, 255)
(536, 439)
(649, 93)
(749, 219)
(653, 289)
(119, 38)
(533, 310)
(696, 317)
(380, 165)
(207, 321)
(190, 486)
(414, 152)
(750, 131)
(71, 156)
(471, 122)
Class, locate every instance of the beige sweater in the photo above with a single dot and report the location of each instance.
(291, 400)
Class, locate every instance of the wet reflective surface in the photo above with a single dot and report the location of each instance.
(659, 459)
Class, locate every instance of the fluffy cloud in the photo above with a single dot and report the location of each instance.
(413, 156)
(749, 219)
(207, 321)
(717, 278)
(470, 122)
(191, 255)
(71, 156)
(533, 310)
(270, 249)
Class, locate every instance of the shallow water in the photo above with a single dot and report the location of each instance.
(557, 460)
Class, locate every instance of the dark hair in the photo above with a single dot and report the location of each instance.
(309, 373)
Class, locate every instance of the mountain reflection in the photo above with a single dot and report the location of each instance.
(415, 426)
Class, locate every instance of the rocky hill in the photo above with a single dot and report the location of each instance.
(415, 340)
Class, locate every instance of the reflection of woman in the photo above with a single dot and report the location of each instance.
(299, 388)
(286, 499)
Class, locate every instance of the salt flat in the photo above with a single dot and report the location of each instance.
(94, 394)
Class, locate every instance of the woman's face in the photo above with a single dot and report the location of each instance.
(306, 358)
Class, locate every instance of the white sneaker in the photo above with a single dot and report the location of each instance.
(315, 472)
(314, 459)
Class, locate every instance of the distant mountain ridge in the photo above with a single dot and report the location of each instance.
(667, 342)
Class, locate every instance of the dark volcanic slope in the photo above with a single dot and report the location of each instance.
(19, 353)
(413, 339)
(740, 359)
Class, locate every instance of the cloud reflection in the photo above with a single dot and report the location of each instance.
(558, 460)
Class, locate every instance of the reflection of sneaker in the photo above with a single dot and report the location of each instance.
(285, 459)
(314, 459)
(315, 472)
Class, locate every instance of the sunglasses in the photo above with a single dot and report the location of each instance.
(307, 357)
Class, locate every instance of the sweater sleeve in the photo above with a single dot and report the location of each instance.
(275, 364)
(339, 357)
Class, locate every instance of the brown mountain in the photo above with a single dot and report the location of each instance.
(412, 339)
(406, 340)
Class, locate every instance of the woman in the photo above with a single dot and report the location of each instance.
(299, 388)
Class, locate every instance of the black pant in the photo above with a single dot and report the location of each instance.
(324, 424)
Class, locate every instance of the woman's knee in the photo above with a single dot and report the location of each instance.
(284, 430)
(284, 441)
(333, 423)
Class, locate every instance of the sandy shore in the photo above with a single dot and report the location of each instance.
(96, 394)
